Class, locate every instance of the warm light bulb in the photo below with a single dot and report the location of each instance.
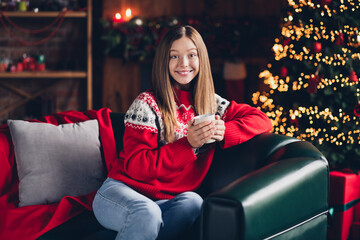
(118, 16)
(128, 13)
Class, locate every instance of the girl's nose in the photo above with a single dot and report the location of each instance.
(184, 61)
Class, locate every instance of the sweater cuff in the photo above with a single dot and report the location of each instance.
(232, 136)
(183, 151)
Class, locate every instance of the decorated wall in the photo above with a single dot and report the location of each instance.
(236, 31)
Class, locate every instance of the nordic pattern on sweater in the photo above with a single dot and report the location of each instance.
(144, 112)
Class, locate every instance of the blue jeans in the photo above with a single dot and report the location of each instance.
(134, 216)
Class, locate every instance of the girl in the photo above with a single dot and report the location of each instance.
(149, 190)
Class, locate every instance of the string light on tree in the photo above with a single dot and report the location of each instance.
(313, 90)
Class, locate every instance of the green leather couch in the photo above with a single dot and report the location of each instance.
(282, 192)
(271, 187)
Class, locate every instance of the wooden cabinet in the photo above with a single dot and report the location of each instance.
(56, 75)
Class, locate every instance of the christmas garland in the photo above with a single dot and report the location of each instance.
(58, 20)
(226, 38)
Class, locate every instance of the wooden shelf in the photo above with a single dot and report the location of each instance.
(54, 76)
(69, 14)
(45, 74)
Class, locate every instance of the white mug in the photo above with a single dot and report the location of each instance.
(205, 117)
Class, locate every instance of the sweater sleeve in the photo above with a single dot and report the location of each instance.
(243, 122)
(143, 157)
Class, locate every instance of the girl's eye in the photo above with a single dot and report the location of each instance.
(173, 57)
(192, 55)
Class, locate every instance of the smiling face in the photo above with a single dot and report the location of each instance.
(183, 63)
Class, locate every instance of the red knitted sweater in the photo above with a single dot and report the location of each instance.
(160, 170)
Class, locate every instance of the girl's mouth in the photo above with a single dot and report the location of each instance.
(184, 72)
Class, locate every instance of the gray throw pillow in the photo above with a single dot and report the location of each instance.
(56, 161)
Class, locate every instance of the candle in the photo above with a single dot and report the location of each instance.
(117, 18)
(128, 14)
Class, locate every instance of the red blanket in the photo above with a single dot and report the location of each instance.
(30, 222)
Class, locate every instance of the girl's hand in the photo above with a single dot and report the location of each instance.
(200, 133)
(219, 129)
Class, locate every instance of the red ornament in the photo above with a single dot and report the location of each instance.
(32, 66)
(28, 63)
(353, 77)
(357, 110)
(3, 67)
(340, 39)
(286, 41)
(313, 83)
(325, 2)
(12, 68)
(19, 67)
(40, 67)
(316, 47)
(193, 21)
(283, 72)
(294, 122)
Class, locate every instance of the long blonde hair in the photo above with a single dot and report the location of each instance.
(203, 86)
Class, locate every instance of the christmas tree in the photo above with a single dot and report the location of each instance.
(312, 85)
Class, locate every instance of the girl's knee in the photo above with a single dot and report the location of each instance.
(191, 204)
(192, 199)
(149, 210)
(148, 217)
(135, 218)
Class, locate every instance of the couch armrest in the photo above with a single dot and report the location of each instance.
(273, 199)
(231, 163)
